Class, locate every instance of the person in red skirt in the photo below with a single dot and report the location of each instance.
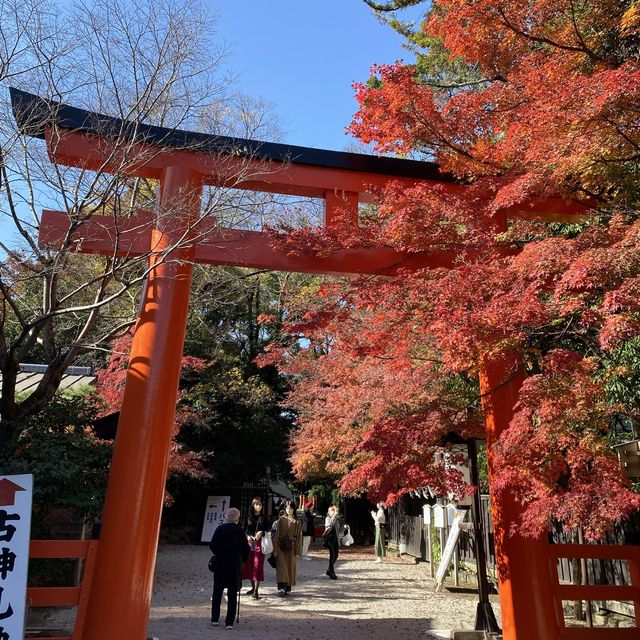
(256, 526)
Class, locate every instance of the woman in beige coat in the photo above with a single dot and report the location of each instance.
(287, 546)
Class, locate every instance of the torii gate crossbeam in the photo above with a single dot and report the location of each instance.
(183, 162)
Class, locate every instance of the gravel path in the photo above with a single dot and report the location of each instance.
(389, 601)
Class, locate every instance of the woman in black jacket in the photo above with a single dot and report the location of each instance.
(256, 527)
(331, 539)
(231, 549)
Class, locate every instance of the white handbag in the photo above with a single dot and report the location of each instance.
(266, 545)
(347, 538)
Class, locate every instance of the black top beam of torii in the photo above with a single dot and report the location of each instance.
(33, 113)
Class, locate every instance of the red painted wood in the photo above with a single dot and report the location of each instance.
(85, 589)
(123, 575)
(53, 596)
(59, 548)
(597, 592)
(220, 246)
(600, 551)
(90, 152)
(526, 582)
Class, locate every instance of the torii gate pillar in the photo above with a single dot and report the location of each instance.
(524, 571)
(120, 595)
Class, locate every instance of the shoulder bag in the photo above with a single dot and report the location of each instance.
(266, 544)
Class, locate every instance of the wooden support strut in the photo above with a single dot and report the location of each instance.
(131, 238)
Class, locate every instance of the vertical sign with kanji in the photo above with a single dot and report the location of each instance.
(213, 516)
(15, 529)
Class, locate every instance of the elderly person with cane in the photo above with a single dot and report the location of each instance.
(230, 549)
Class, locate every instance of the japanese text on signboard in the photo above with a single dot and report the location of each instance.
(15, 524)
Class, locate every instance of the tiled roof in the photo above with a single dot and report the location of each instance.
(31, 374)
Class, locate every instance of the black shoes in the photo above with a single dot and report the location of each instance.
(250, 592)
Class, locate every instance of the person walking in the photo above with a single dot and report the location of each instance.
(287, 546)
(331, 539)
(230, 547)
(380, 521)
(255, 527)
(308, 522)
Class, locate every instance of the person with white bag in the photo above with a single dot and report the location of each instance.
(331, 539)
(256, 528)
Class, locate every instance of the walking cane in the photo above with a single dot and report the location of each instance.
(238, 610)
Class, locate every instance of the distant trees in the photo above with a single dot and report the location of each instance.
(234, 414)
(231, 421)
(69, 461)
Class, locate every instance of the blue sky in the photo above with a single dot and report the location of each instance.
(303, 56)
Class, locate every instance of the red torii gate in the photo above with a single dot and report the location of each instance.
(183, 162)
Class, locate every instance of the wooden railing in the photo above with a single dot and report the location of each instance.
(64, 596)
(591, 592)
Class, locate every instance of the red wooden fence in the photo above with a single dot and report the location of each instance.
(64, 596)
(590, 592)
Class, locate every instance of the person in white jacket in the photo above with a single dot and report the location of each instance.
(380, 522)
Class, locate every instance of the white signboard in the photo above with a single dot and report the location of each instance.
(447, 554)
(426, 514)
(438, 516)
(213, 515)
(16, 493)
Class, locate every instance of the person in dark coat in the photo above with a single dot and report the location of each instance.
(308, 522)
(331, 538)
(255, 527)
(231, 549)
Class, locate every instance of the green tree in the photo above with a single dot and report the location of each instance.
(69, 462)
(235, 412)
(235, 418)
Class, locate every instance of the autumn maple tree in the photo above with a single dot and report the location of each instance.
(110, 388)
(515, 100)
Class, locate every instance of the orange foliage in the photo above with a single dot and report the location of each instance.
(379, 388)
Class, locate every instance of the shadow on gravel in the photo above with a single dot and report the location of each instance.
(296, 627)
